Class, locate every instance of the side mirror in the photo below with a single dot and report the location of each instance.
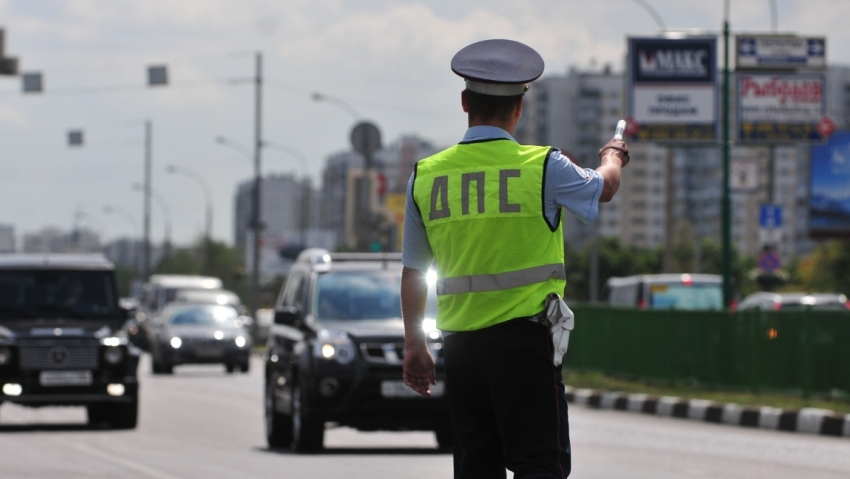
(287, 315)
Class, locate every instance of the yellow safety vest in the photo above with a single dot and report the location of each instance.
(497, 256)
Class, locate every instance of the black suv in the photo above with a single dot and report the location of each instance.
(62, 339)
(335, 353)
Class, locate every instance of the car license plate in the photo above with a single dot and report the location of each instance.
(65, 378)
(397, 389)
(209, 352)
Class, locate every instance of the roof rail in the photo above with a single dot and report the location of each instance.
(383, 256)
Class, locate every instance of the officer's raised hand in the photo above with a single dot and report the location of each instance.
(613, 156)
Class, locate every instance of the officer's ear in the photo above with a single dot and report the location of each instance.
(463, 101)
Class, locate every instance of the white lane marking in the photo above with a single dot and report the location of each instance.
(138, 467)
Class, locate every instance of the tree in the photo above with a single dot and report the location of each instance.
(825, 270)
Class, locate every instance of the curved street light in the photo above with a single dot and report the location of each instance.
(205, 187)
(223, 140)
(653, 13)
(338, 102)
(301, 157)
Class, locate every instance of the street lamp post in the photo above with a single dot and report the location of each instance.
(195, 176)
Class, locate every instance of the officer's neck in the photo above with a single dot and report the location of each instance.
(508, 126)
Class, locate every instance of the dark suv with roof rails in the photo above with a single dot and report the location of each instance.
(62, 337)
(335, 353)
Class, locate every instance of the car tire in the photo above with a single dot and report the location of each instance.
(245, 367)
(308, 432)
(278, 426)
(229, 368)
(117, 415)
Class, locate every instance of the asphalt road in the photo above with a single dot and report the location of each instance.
(202, 422)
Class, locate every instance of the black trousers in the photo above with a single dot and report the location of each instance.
(507, 403)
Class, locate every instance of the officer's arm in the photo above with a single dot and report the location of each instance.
(613, 156)
(419, 371)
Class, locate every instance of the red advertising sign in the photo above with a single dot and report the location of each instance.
(779, 108)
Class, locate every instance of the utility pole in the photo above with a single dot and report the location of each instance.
(147, 202)
(726, 202)
(258, 147)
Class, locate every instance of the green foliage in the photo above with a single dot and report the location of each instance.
(615, 259)
(825, 270)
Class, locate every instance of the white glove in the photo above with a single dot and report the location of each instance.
(562, 321)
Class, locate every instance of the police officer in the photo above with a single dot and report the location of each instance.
(487, 212)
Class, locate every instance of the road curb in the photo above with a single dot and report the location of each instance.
(807, 420)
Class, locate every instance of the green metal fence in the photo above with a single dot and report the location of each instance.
(802, 351)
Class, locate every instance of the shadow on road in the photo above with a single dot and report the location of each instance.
(13, 428)
(361, 451)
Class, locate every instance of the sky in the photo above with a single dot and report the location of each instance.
(387, 61)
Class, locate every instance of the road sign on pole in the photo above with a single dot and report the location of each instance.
(769, 261)
(770, 216)
(778, 52)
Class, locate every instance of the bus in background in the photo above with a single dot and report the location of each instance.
(666, 291)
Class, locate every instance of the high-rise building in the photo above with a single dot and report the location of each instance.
(289, 218)
(392, 165)
(53, 240)
(7, 239)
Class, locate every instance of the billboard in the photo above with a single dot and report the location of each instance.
(829, 188)
(779, 52)
(672, 89)
(781, 108)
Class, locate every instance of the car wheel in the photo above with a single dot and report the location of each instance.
(117, 415)
(308, 433)
(278, 426)
(229, 368)
(245, 367)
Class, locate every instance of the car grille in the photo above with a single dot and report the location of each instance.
(40, 355)
(392, 353)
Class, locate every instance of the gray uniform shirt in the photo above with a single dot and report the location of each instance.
(566, 185)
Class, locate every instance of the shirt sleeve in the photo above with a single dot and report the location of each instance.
(572, 187)
(416, 249)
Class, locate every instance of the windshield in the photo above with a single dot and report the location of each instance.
(218, 316)
(681, 296)
(360, 295)
(57, 293)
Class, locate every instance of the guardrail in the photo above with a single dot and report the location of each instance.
(801, 351)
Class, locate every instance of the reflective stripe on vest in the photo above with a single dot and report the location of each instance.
(494, 282)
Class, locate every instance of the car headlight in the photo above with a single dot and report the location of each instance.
(240, 341)
(176, 342)
(5, 355)
(429, 326)
(333, 345)
(113, 354)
